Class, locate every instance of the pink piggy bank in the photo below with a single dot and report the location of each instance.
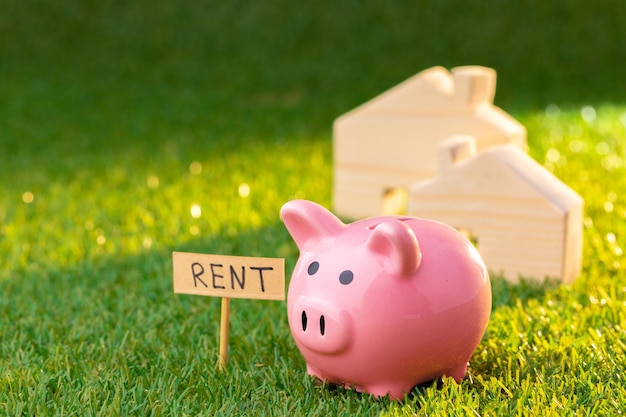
(383, 304)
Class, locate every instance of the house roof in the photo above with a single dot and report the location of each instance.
(436, 90)
(429, 107)
(500, 171)
(535, 175)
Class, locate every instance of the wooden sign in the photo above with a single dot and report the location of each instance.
(228, 277)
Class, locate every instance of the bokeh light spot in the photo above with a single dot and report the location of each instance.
(553, 111)
(195, 168)
(28, 197)
(553, 155)
(577, 146)
(153, 182)
(588, 114)
(196, 211)
(244, 190)
(610, 237)
(602, 148)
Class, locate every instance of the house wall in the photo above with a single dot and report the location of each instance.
(514, 237)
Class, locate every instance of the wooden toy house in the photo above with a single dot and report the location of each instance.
(525, 220)
(390, 142)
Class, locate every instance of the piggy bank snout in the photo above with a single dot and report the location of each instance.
(320, 326)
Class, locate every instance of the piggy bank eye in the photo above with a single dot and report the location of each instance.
(346, 277)
(313, 267)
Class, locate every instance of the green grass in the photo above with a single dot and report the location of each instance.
(105, 105)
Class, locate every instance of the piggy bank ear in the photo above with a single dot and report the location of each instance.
(307, 221)
(396, 240)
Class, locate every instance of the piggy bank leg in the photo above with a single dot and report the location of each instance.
(314, 373)
(459, 373)
(395, 391)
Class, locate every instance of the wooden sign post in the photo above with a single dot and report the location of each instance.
(228, 277)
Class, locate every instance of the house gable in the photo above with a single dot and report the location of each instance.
(527, 221)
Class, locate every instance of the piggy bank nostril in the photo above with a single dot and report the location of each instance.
(304, 320)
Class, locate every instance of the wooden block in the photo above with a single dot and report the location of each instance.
(525, 220)
(391, 141)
